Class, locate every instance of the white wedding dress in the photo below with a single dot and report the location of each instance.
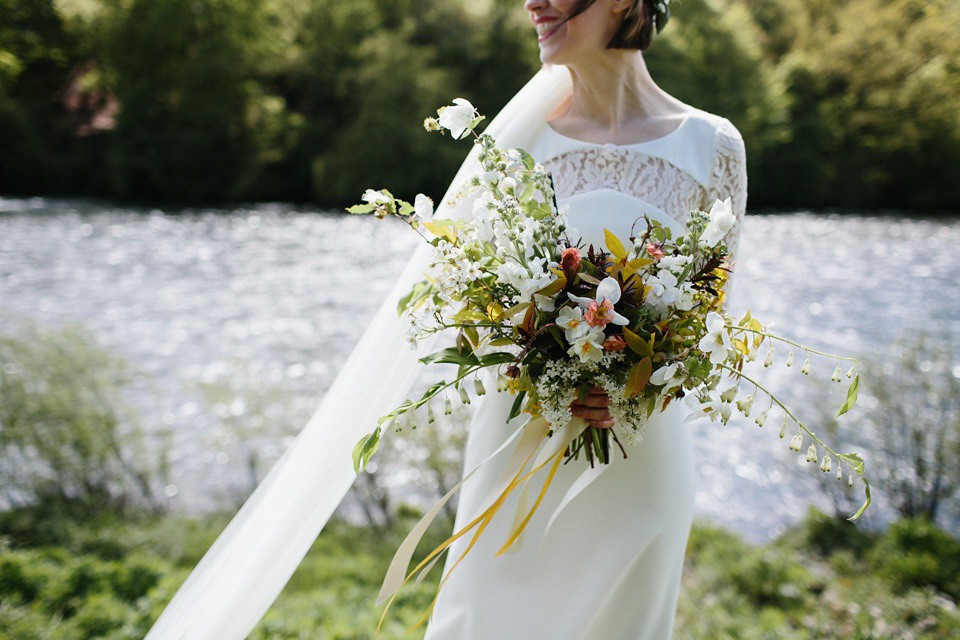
(610, 566)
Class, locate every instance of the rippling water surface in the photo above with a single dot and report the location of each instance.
(240, 318)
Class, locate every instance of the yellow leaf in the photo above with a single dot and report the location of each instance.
(515, 309)
(639, 263)
(614, 245)
(638, 377)
(741, 346)
(494, 310)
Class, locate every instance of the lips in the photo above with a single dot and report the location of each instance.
(546, 27)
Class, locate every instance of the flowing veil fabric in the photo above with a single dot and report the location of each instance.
(246, 568)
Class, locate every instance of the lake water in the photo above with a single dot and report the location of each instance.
(239, 318)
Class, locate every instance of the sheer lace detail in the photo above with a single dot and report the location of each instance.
(729, 177)
(629, 171)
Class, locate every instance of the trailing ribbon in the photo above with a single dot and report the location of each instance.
(534, 432)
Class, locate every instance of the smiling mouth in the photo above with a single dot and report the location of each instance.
(547, 29)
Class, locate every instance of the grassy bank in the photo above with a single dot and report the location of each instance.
(110, 578)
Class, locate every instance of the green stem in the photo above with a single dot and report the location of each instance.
(788, 412)
(794, 344)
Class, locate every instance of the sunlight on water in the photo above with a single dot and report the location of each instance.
(240, 318)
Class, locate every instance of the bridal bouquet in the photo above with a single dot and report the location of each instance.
(640, 318)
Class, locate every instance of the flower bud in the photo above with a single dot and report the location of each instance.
(812, 453)
(431, 124)
(796, 442)
(513, 371)
(783, 428)
(725, 413)
(839, 472)
(760, 419)
(745, 404)
(825, 464)
(805, 369)
(790, 358)
(769, 359)
(850, 480)
(478, 387)
(447, 407)
(850, 372)
(464, 396)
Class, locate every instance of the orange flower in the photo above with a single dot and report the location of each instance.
(570, 259)
(598, 315)
(655, 250)
(614, 343)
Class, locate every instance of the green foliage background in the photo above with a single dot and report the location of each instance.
(842, 103)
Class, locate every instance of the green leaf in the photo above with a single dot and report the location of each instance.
(499, 357)
(851, 396)
(360, 208)
(866, 502)
(528, 160)
(364, 450)
(517, 406)
(417, 293)
(450, 356)
(636, 343)
(855, 460)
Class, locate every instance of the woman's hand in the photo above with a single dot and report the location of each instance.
(594, 409)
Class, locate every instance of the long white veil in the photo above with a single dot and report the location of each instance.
(242, 573)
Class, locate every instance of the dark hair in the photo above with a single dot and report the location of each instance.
(635, 30)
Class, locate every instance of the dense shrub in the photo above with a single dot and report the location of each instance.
(914, 552)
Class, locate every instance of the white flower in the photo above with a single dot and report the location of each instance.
(588, 347)
(608, 294)
(673, 263)
(374, 197)
(666, 375)
(662, 290)
(716, 342)
(721, 221)
(458, 117)
(709, 405)
(423, 206)
(570, 319)
(547, 304)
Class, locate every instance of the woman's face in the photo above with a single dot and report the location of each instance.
(579, 38)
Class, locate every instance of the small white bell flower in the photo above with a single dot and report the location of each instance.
(850, 372)
(447, 407)
(836, 374)
(760, 419)
(478, 387)
(769, 359)
(729, 394)
(812, 453)
(796, 442)
(783, 428)
(725, 413)
(839, 472)
(790, 358)
(431, 418)
(826, 464)
(850, 480)
(464, 396)
(745, 404)
(502, 383)
(805, 369)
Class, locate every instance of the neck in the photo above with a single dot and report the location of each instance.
(614, 89)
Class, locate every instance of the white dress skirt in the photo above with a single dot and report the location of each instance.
(610, 567)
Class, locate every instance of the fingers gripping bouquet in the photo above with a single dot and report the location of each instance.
(640, 318)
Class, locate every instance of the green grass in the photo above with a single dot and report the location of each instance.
(110, 578)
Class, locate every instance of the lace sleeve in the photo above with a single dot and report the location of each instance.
(729, 178)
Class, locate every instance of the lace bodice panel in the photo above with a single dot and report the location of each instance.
(689, 168)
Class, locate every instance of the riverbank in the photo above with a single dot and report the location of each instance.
(108, 577)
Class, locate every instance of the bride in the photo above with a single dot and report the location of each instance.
(609, 564)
